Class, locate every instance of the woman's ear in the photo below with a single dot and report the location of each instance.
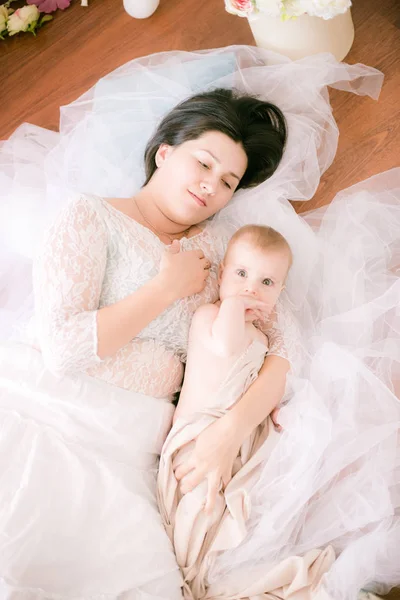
(164, 150)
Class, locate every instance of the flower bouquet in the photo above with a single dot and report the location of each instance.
(30, 17)
(26, 18)
(287, 9)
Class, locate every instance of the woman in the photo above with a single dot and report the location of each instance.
(79, 448)
(113, 306)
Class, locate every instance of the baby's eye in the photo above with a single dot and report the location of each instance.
(241, 272)
(268, 282)
(227, 184)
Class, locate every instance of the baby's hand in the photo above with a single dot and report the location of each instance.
(256, 307)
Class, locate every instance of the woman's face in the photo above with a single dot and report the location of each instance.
(196, 179)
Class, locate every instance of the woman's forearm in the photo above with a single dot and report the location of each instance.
(260, 399)
(119, 323)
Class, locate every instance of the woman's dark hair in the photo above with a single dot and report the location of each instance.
(258, 126)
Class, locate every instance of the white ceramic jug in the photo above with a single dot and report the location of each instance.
(141, 9)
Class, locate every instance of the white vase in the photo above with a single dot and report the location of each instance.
(304, 35)
(141, 9)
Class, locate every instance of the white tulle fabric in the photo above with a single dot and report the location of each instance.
(333, 479)
(103, 135)
(78, 512)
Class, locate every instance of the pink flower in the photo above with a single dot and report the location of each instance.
(23, 19)
(242, 8)
(48, 6)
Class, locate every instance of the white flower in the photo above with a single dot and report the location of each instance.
(327, 9)
(272, 8)
(3, 18)
(294, 8)
(23, 19)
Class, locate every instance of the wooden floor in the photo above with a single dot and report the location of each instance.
(70, 53)
(82, 44)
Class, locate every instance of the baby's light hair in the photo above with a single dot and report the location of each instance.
(261, 237)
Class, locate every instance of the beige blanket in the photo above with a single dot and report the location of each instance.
(197, 539)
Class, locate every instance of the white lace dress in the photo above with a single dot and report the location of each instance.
(81, 436)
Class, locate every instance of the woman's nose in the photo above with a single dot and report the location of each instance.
(208, 187)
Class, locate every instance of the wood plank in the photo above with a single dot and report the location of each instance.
(81, 45)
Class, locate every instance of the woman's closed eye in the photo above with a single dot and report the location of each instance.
(204, 165)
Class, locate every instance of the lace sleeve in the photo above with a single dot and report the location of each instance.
(68, 278)
(284, 336)
(273, 331)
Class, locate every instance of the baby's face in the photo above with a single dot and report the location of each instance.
(250, 271)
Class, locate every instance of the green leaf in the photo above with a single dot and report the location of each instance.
(45, 19)
(32, 27)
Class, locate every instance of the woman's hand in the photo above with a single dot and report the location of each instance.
(215, 451)
(274, 418)
(184, 273)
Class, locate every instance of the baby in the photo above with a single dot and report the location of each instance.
(251, 278)
(225, 354)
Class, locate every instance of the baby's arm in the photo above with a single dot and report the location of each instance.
(210, 348)
(228, 329)
(221, 327)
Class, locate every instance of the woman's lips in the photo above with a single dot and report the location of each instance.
(198, 200)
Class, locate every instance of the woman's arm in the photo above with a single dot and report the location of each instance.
(119, 323)
(181, 274)
(217, 446)
(260, 399)
(68, 277)
(74, 333)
